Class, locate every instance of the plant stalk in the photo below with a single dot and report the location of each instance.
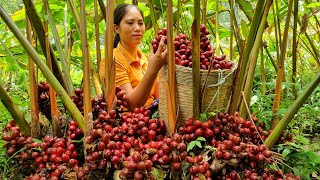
(55, 121)
(34, 108)
(171, 64)
(280, 75)
(242, 67)
(294, 48)
(65, 69)
(109, 77)
(37, 25)
(253, 61)
(196, 60)
(86, 71)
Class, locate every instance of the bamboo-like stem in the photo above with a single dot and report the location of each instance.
(34, 108)
(97, 33)
(244, 11)
(278, 25)
(65, 69)
(236, 31)
(103, 9)
(71, 107)
(277, 131)
(196, 60)
(178, 17)
(275, 23)
(153, 17)
(280, 75)
(231, 2)
(75, 14)
(253, 61)
(314, 49)
(86, 71)
(270, 57)
(37, 25)
(69, 48)
(109, 78)
(263, 74)
(55, 121)
(14, 110)
(242, 67)
(66, 42)
(171, 64)
(217, 30)
(204, 11)
(294, 48)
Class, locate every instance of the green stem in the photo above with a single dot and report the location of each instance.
(153, 17)
(280, 75)
(240, 74)
(253, 61)
(294, 47)
(65, 69)
(38, 27)
(195, 60)
(103, 8)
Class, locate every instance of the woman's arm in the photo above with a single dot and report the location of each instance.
(138, 96)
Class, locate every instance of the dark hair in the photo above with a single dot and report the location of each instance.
(120, 11)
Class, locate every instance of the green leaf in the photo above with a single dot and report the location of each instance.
(191, 145)
(286, 152)
(244, 29)
(78, 141)
(198, 144)
(158, 173)
(36, 140)
(116, 175)
(200, 138)
(203, 117)
(313, 5)
(245, 4)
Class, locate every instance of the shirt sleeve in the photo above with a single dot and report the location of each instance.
(122, 76)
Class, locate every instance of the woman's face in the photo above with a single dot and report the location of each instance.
(131, 28)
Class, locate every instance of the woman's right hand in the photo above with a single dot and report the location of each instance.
(159, 58)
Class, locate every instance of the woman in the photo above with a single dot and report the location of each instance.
(135, 72)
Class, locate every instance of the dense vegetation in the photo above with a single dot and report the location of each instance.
(301, 65)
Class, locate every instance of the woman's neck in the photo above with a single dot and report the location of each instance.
(131, 49)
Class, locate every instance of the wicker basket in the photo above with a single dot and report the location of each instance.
(217, 93)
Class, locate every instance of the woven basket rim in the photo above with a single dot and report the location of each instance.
(205, 70)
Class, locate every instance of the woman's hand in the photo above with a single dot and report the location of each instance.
(159, 58)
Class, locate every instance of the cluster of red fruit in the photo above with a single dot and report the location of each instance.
(136, 145)
(48, 159)
(125, 144)
(97, 103)
(183, 55)
(44, 99)
(237, 144)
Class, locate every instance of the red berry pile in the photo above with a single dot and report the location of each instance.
(135, 146)
(183, 55)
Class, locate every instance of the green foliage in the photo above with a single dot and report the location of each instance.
(196, 142)
(158, 174)
(302, 156)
